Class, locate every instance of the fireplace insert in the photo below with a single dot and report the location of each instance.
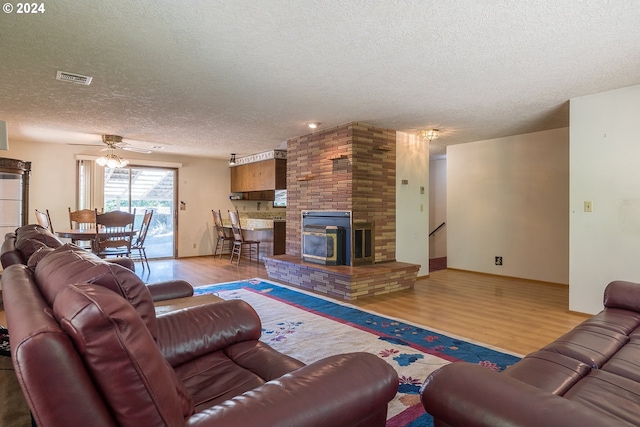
(323, 244)
(327, 230)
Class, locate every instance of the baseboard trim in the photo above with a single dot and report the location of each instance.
(542, 282)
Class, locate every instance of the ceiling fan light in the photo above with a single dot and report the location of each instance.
(112, 160)
(112, 163)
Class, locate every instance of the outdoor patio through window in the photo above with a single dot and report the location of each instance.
(145, 188)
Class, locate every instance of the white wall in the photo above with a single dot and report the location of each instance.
(509, 197)
(202, 183)
(438, 207)
(605, 156)
(412, 207)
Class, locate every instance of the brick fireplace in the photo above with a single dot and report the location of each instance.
(348, 168)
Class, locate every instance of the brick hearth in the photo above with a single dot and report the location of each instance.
(343, 281)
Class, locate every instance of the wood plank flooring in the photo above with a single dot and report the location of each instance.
(514, 314)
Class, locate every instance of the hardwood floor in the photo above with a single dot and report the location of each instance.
(514, 314)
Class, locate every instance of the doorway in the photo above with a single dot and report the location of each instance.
(140, 188)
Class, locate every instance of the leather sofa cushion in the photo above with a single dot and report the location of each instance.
(609, 394)
(120, 353)
(548, 371)
(614, 319)
(230, 379)
(626, 362)
(70, 264)
(593, 346)
(30, 238)
(37, 256)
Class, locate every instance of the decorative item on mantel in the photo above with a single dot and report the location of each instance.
(338, 156)
(266, 155)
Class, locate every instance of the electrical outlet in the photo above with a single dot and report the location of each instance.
(194, 246)
(498, 260)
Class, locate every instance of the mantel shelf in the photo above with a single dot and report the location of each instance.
(337, 157)
(305, 178)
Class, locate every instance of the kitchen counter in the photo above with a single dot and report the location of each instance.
(270, 231)
(254, 224)
(256, 221)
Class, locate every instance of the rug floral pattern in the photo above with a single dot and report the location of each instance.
(309, 328)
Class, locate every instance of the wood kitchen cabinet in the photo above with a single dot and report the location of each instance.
(259, 195)
(279, 238)
(259, 176)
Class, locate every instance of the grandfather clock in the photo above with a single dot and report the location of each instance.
(14, 194)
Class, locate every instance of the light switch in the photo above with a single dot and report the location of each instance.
(588, 206)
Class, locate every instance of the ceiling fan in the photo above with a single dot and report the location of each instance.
(115, 141)
(111, 159)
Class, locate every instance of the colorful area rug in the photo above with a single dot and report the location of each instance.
(309, 327)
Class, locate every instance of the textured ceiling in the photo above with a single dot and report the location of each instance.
(209, 78)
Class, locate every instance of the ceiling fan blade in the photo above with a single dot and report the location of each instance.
(135, 149)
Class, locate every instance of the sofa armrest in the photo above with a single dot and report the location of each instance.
(170, 289)
(11, 257)
(192, 332)
(463, 394)
(124, 262)
(344, 390)
(624, 295)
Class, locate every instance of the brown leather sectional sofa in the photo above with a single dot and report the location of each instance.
(30, 243)
(89, 349)
(588, 377)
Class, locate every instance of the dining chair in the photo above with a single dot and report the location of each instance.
(220, 231)
(239, 241)
(138, 244)
(82, 219)
(114, 233)
(44, 219)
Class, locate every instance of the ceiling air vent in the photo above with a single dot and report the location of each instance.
(73, 78)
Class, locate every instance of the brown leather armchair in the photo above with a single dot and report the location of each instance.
(88, 349)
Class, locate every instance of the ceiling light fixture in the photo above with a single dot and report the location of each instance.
(232, 160)
(313, 125)
(112, 160)
(431, 134)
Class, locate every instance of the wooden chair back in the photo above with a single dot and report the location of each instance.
(236, 228)
(44, 219)
(82, 219)
(217, 221)
(144, 228)
(114, 233)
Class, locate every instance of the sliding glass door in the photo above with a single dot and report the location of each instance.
(145, 188)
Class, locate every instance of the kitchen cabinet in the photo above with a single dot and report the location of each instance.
(259, 176)
(259, 195)
(279, 237)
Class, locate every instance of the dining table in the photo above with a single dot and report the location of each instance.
(90, 233)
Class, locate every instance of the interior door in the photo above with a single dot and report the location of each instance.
(143, 188)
